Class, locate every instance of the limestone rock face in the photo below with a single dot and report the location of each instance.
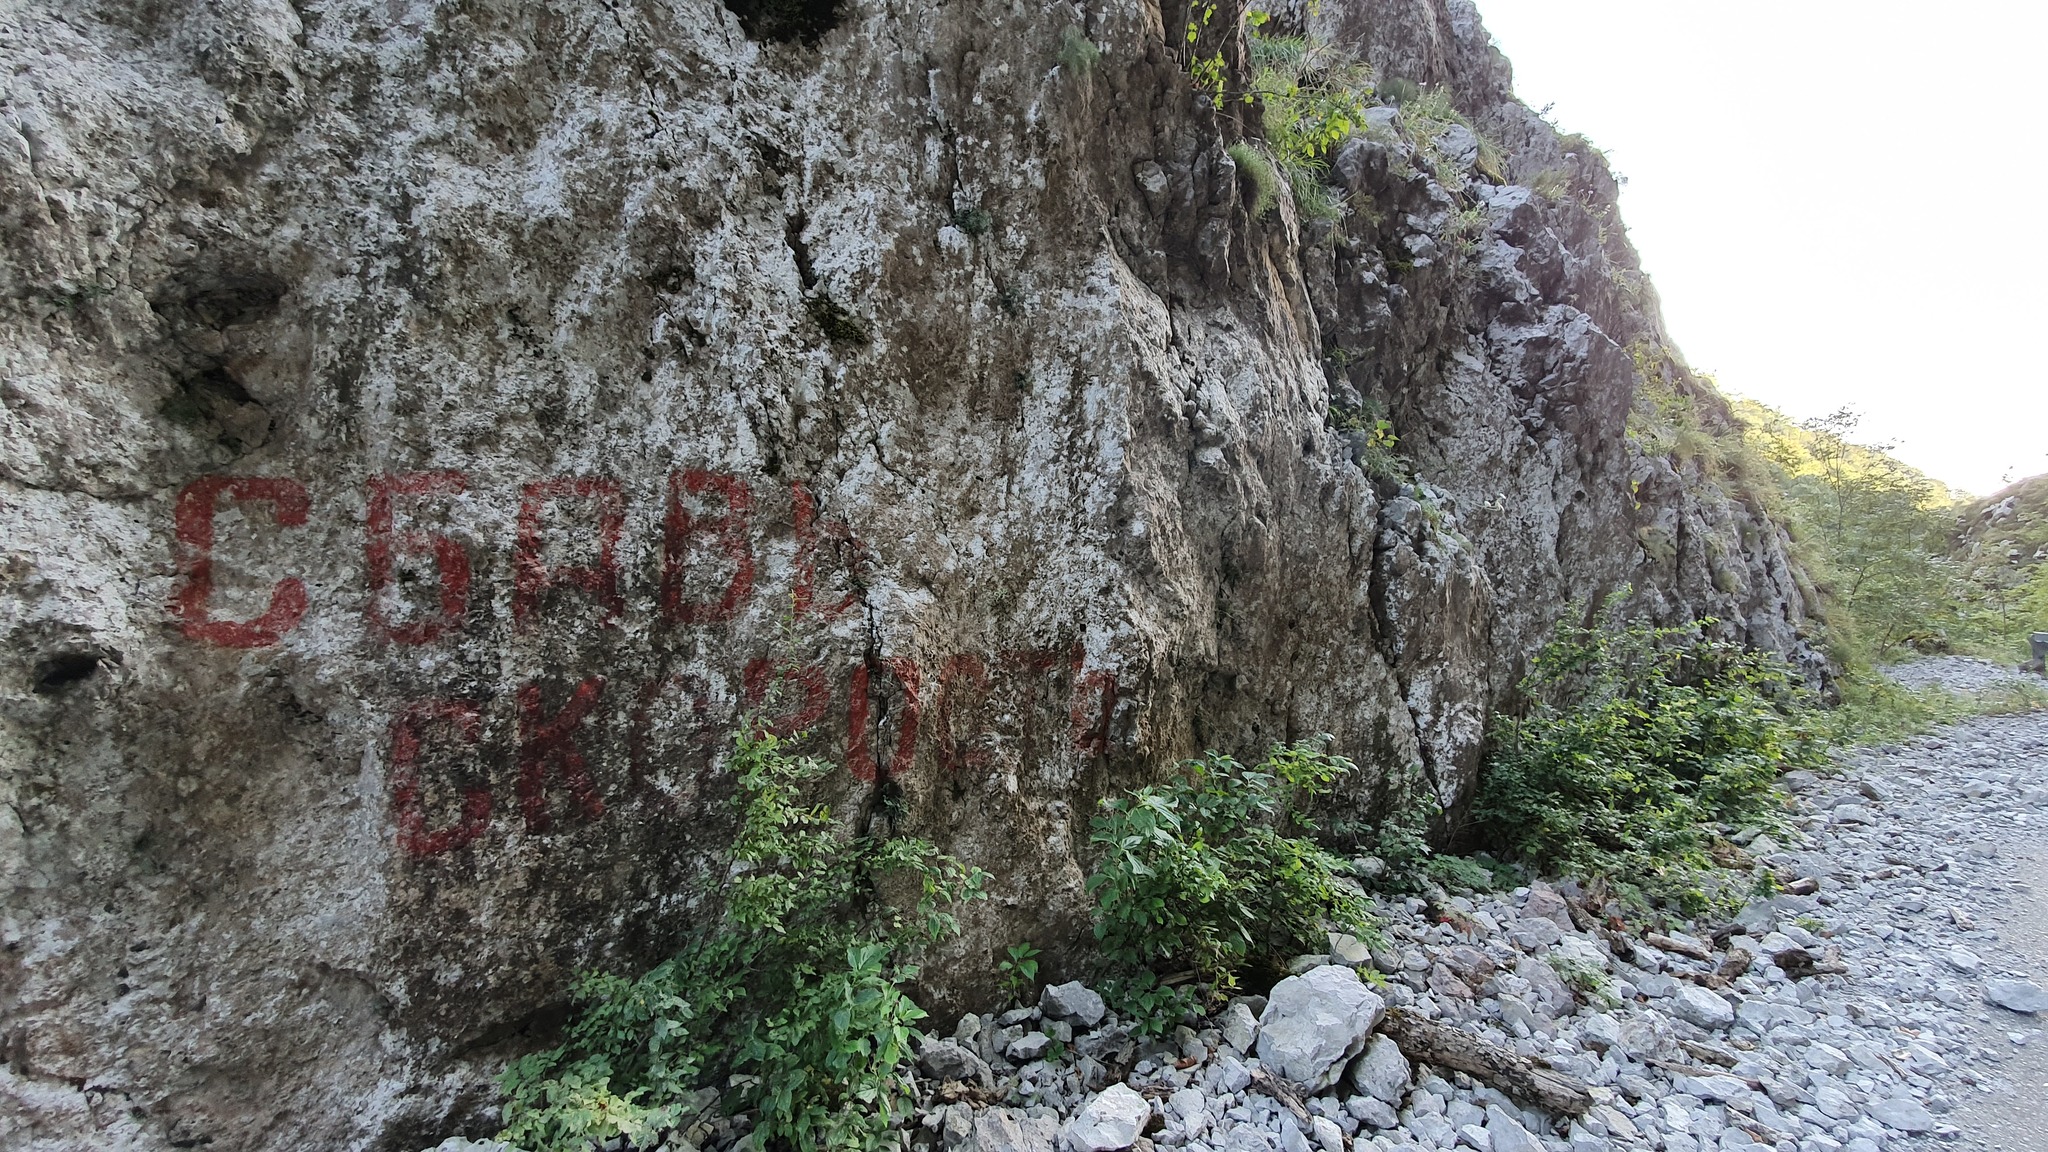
(424, 429)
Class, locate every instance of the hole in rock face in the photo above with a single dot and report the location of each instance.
(56, 673)
(804, 21)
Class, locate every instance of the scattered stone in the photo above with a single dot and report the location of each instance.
(1112, 1120)
(1903, 1113)
(2017, 995)
(1240, 1028)
(1073, 1001)
(1028, 1047)
(1700, 1007)
(1013, 1130)
(1507, 1133)
(1382, 1073)
(946, 1060)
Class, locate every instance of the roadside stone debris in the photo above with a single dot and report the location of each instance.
(1857, 1010)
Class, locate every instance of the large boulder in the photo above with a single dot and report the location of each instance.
(1315, 1023)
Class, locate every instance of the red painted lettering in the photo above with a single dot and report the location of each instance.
(532, 578)
(1091, 733)
(194, 520)
(963, 682)
(694, 740)
(550, 742)
(804, 595)
(415, 838)
(449, 559)
(859, 761)
(729, 528)
(767, 686)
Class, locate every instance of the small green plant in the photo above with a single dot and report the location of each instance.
(1316, 200)
(973, 221)
(1585, 979)
(1200, 875)
(1401, 842)
(1398, 91)
(792, 999)
(1078, 54)
(837, 323)
(1018, 972)
(1553, 184)
(1639, 741)
(1373, 439)
(1253, 163)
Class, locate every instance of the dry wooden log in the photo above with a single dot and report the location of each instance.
(1710, 1054)
(1424, 1041)
(1696, 1070)
(1665, 943)
(1283, 1092)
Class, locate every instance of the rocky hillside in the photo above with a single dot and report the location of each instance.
(428, 427)
(2003, 538)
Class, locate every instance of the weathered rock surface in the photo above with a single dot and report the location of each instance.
(425, 428)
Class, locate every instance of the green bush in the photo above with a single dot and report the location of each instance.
(1413, 865)
(1638, 742)
(1201, 875)
(793, 999)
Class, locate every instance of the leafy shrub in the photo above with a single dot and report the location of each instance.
(1401, 842)
(1200, 873)
(1396, 90)
(1311, 96)
(794, 996)
(1373, 439)
(1640, 740)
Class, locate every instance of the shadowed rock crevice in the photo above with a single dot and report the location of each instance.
(789, 21)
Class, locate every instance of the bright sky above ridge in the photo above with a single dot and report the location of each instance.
(1840, 201)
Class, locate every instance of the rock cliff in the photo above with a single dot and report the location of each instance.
(424, 428)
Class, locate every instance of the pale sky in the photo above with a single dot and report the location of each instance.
(1841, 203)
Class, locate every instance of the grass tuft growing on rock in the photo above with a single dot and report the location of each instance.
(1256, 166)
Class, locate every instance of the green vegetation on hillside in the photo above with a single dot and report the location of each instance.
(1638, 745)
(1902, 567)
(791, 1006)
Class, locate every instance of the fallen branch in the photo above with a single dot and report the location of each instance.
(1427, 1042)
(1665, 943)
(1283, 1092)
